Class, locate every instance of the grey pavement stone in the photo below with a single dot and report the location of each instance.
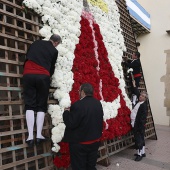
(157, 154)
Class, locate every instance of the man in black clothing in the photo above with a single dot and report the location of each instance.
(39, 66)
(138, 121)
(84, 123)
(135, 64)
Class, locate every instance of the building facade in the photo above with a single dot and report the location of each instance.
(154, 48)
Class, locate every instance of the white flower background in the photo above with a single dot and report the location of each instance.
(62, 17)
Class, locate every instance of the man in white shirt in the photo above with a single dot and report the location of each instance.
(138, 121)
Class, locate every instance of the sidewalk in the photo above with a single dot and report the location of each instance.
(157, 154)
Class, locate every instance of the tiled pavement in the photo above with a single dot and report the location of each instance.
(157, 154)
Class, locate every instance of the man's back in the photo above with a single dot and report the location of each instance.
(42, 53)
(85, 120)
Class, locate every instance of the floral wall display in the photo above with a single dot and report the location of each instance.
(91, 51)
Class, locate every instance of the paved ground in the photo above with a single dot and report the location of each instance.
(157, 154)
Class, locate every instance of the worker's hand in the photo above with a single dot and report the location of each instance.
(67, 109)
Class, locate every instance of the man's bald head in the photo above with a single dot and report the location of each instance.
(55, 39)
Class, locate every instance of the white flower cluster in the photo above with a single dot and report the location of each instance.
(113, 39)
(110, 109)
(130, 70)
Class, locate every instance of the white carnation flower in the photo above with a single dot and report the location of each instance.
(56, 148)
(130, 70)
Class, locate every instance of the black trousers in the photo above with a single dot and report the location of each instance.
(137, 81)
(36, 90)
(83, 156)
(139, 137)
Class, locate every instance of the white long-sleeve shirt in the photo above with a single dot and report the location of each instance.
(134, 113)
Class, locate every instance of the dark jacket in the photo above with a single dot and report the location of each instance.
(84, 122)
(135, 65)
(44, 54)
(141, 117)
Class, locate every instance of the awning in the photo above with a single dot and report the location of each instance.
(139, 16)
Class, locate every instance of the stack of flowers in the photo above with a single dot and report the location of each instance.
(91, 51)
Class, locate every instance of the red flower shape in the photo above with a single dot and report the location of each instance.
(85, 69)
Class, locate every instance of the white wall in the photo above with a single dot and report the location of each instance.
(153, 57)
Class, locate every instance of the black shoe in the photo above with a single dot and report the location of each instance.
(40, 140)
(143, 155)
(30, 142)
(138, 158)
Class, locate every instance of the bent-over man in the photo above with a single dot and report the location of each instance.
(39, 66)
